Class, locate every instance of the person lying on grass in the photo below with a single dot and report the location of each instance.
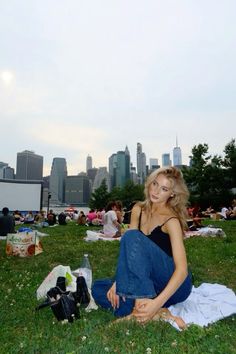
(152, 271)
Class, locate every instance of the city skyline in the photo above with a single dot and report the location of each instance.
(90, 159)
(133, 159)
(74, 81)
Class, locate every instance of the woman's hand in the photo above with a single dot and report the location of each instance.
(112, 297)
(145, 309)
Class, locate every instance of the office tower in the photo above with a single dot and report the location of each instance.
(57, 180)
(89, 163)
(166, 161)
(133, 174)
(122, 167)
(177, 156)
(6, 172)
(77, 189)
(112, 163)
(153, 163)
(91, 173)
(119, 168)
(141, 164)
(29, 166)
(102, 174)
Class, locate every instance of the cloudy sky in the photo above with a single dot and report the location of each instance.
(81, 77)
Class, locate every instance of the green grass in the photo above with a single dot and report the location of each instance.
(24, 331)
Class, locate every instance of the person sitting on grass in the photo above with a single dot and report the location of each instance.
(81, 218)
(152, 271)
(51, 218)
(62, 218)
(29, 218)
(111, 226)
(7, 223)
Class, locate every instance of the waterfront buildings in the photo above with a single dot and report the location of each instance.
(141, 164)
(29, 166)
(89, 163)
(177, 155)
(102, 174)
(6, 172)
(57, 180)
(166, 161)
(77, 189)
(119, 168)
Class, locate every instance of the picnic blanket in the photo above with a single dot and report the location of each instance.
(206, 232)
(206, 304)
(92, 236)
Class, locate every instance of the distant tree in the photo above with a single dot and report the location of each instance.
(230, 163)
(131, 193)
(128, 194)
(116, 193)
(206, 179)
(194, 176)
(100, 197)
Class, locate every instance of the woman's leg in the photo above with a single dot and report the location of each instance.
(144, 269)
(99, 293)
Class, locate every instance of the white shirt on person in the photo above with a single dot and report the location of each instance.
(109, 228)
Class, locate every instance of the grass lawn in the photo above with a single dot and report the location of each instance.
(211, 260)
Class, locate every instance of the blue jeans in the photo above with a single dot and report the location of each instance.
(143, 271)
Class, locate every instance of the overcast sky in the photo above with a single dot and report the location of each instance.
(81, 77)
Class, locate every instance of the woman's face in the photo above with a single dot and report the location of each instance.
(160, 189)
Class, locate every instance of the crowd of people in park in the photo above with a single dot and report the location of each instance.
(112, 218)
(103, 217)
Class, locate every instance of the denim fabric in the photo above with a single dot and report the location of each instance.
(143, 271)
(99, 292)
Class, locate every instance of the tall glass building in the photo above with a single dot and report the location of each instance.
(119, 168)
(166, 161)
(141, 164)
(89, 163)
(177, 155)
(77, 190)
(29, 166)
(57, 180)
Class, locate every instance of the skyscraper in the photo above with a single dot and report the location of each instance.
(166, 161)
(77, 189)
(119, 168)
(177, 155)
(57, 180)
(89, 163)
(29, 166)
(102, 174)
(153, 163)
(141, 164)
(112, 163)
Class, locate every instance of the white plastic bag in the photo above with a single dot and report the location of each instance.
(51, 280)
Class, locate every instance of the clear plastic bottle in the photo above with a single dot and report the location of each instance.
(86, 271)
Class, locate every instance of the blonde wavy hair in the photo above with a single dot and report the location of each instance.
(177, 203)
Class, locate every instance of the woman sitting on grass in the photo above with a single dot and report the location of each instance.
(152, 266)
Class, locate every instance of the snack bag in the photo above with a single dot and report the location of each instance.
(23, 244)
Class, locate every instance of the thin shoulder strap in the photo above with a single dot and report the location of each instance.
(172, 217)
(140, 217)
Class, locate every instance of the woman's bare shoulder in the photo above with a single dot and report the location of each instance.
(136, 208)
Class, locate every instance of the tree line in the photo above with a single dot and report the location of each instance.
(211, 180)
